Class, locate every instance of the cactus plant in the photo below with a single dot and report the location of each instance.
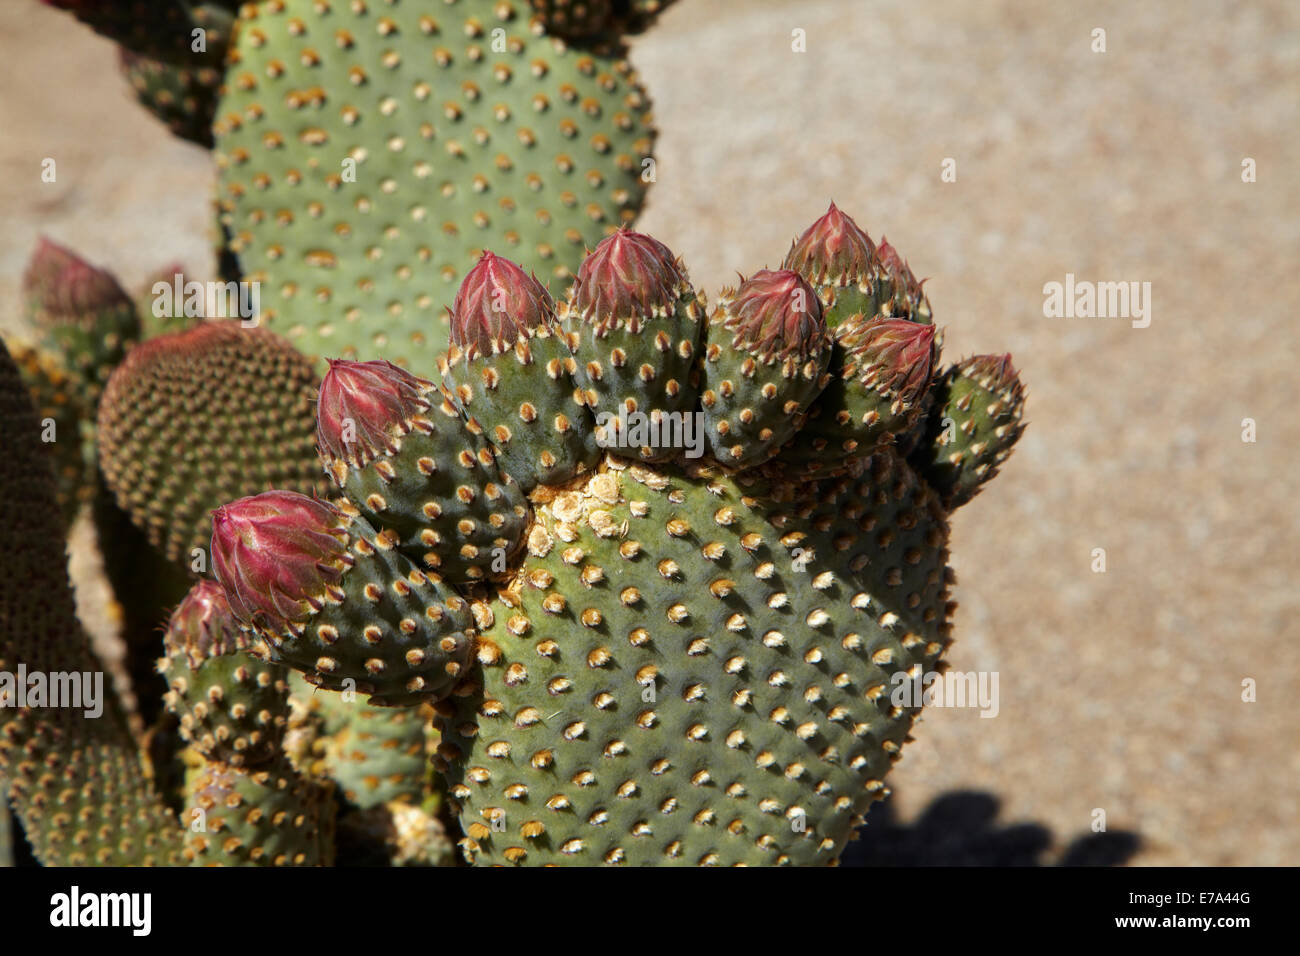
(75, 780)
(367, 154)
(679, 652)
(197, 417)
(652, 569)
(686, 662)
(330, 128)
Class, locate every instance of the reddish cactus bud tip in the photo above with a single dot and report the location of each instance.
(202, 625)
(889, 258)
(275, 554)
(775, 312)
(497, 305)
(994, 372)
(63, 284)
(629, 275)
(893, 356)
(364, 406)
(833, 248)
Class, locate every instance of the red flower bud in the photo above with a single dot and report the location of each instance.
(776, 313)
(629, 275)
(276, 554)
(202, 626)
(64, 287)
(364, 406)
(832, 249)
(894, 357)
(497, 305)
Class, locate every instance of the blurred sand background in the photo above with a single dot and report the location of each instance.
(1119, 691)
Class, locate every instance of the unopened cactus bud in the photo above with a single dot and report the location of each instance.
(628, 278)
(766, 356)
(278, 554)
(498, 305)
(365, 407)
(336, 600)
(398, 446)
(833, 249)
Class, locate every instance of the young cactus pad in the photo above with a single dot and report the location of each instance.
(369, 152)
(688, 651)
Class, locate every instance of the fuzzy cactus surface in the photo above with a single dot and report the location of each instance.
(368, 153)
(350, 172)
(685, 652)
(75, 778)
(621, 582)
(192, 419)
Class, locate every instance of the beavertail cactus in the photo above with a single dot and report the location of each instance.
(337, 600)
(368, 153)
(246, 803)
(74, 777)
(192, 419)
(357, 181)
(81, 313)
(766, 354)
(690, 658)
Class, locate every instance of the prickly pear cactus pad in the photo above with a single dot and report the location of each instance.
(368, 151)
(678, 675)
(74, 777)
(81, 313)
(691, 658)
(195, 418)
(60, 408)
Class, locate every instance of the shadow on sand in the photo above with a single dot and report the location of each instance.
(961, 829)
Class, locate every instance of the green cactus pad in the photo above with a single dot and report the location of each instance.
(766, 356)
(233, 707)
(511, 370)
(368, 153)
(183, 98)
(374, 754)
(674, 679)
(972, 427)
(267, 817)
(540, 429)
(377, 754)
(75, 781)
(62, 414)
(398, 447)
(634, 323)
(81, 313)
(197, 418)
(337, 601)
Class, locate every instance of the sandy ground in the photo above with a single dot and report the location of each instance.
(1119, 691)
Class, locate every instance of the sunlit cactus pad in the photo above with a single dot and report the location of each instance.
(684, 641)
(369, 151)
